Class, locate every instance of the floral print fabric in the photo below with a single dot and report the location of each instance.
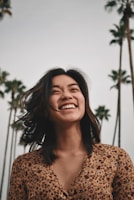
(107, 174)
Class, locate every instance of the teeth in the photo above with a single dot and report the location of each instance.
(67, 106)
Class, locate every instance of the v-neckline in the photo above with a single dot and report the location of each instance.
(60, 184)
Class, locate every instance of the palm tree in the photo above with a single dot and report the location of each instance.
(102, 113)
(119, 36)
(125, 9)
(17, 127)
(3, 79)
(5, 8)
(119, 77)
(15, 88)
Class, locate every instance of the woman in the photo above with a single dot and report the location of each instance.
(71, 163)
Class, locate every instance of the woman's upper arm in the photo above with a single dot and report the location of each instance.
(123, 185)
(17, 190)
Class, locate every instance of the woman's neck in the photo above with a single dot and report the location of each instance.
(69, 139)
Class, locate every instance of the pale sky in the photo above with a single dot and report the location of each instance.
(43, 34)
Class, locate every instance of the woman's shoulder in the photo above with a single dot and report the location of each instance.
(110, 151)
(32, 157)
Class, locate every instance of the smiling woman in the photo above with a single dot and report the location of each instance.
(70, 163)
(67, 98)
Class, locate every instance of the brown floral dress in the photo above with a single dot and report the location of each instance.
(107, 174)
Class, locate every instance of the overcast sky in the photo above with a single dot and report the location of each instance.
(43, 34)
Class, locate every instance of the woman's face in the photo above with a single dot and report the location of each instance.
(66, 101)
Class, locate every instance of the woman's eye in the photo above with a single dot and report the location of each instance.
(55, 92)
(75, 89)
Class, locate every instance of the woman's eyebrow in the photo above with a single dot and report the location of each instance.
(57, 86)
(73, 84)
(69, 85)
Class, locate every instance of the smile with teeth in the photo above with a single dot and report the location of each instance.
(67, 106)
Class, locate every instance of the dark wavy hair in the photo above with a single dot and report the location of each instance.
(39, 130)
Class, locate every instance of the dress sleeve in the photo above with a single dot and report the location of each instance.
(123, 185)
(17, 190)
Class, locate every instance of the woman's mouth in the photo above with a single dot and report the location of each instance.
(67, 106)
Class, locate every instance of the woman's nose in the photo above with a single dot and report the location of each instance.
(66, 95)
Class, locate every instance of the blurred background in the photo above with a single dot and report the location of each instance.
(38, 35)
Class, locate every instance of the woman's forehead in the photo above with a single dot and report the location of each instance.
(63, 80)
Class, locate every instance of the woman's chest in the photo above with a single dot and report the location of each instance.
(94, 180)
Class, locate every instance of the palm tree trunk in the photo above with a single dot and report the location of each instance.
(5, 154)
(15, 136)
(11, 151)
(116, 121)
(118, 114)
(15, 143)
(130, 56)
(101, 128)
(119, 93)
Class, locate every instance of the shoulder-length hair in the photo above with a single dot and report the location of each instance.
(39, 130)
